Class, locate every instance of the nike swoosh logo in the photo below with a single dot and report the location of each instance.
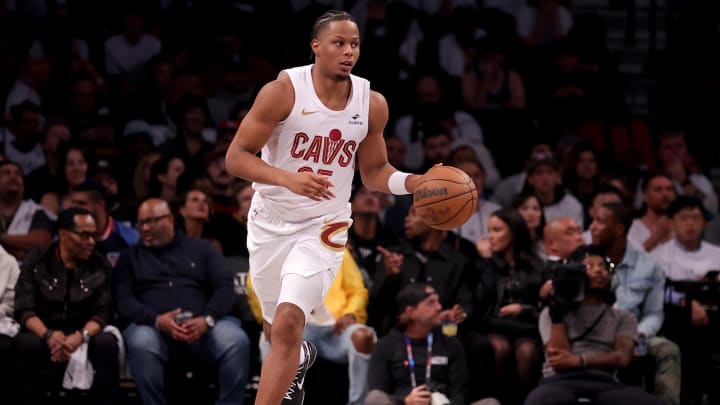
(303, 112)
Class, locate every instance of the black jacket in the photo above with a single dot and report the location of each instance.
(43, 290)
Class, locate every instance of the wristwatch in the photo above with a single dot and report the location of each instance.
(210, 321)
(86, 336)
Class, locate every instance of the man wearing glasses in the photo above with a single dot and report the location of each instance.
(63, 301)
(175, 293)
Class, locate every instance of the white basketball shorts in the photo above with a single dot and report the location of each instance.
(312, 249)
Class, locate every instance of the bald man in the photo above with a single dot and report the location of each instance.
(562, 236)
(176, 295)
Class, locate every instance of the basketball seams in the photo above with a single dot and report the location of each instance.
(457, 212)
(462, 208)
(433, 202)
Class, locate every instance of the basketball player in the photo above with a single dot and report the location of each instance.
(310, 122)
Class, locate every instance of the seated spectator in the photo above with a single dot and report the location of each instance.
(74, 161)
(407, 347)
(582, 175)
(686, 257)
(9, 273)
(113, 236)
(163, 277)
(508, 302)
(142, 174)
(63, 302)
(22, 139)
(338, 328)
(57, 132)
(367, 231)
(24, 225)
(189, 142)
(684, 170)
(437, 257)
(543, 178)
(562, 237)
(529, 207)
(640, 286)
(490, 84)
(129, 52)
(164, 176)
(653, 227)
(586, 344)
(604, 193)
(477, 226)
(509, 187)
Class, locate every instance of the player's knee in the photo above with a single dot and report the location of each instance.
(363, 340)
(288, 323)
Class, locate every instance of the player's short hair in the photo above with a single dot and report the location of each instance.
(329, 16)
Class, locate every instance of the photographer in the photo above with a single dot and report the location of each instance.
(415, 364)
(587, 342)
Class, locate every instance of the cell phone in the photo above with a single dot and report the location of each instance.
(183, 317)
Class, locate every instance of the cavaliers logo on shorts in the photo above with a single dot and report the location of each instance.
(329, 231)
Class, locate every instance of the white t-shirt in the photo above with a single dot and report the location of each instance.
(318, 139)
(568, 206)
(123, 57)
(680, 264)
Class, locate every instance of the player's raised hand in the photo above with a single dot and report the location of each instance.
(311, 185)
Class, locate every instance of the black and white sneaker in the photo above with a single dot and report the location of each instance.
(295, 395)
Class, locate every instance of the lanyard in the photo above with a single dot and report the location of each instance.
(411, 360)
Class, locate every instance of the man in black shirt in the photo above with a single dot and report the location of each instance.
(400, 371)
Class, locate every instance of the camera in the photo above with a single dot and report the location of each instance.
(568, 283)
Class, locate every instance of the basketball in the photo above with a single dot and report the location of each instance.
(446, 199)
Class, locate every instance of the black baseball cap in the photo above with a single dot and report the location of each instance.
(413, 294)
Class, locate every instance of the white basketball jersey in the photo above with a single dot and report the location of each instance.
(318, 139)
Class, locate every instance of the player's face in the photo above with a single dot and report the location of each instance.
(337, 48)
(499, 235)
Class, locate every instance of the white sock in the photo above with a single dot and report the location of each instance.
(302, 354)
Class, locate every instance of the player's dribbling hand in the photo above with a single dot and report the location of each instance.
(311, 185)
(393, 261)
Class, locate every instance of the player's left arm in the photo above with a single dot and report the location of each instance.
(372, 153)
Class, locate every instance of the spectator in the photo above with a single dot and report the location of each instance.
(368, 231)
(586, 344)
(165, 174)
(113, 236)
(508, 302)
(142, 173)
(640, 288)
(490, 83)
(9, 273)
(189, 142)
(243, 192)
(63, 302)
(653, 227)
(543, 177)
(429, 255)
(476, 227)
(583, 174)
(604, 193)
(407, 347)
(218, 182)
(509, 187)
(161, 278)
(73, 172)
(529, 207)
(21, 140)
(57, 132)
(562, 237)
(686, 257)
(24, 225)
(684, 170)
(129, 52)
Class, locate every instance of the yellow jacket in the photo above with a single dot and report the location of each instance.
(347, 294)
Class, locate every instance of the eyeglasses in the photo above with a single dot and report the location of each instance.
(84, 235)
(151, 220)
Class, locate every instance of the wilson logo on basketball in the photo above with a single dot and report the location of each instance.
(429, 192)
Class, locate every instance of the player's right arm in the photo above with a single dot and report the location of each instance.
(272, 105)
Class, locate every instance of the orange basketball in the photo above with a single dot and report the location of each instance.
(447, 198)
